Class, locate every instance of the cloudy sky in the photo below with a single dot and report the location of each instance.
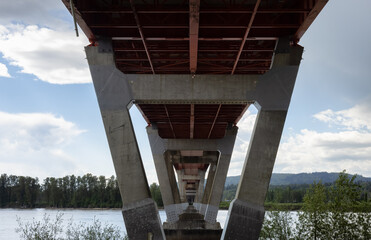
(50, 123)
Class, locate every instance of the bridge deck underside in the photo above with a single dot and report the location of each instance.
(199, 121)
(197, 37)
(194, 37)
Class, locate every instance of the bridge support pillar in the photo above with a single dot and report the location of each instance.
(166, 177)
(201, 186)
(182, 193)
(114, 96)
(246, 212)
(207, 190)
(225, 147)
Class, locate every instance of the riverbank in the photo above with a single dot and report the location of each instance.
(271, 206)
(364, 207)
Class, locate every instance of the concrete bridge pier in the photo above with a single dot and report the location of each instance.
(271, 93)
(207, 199)
(166, 176)
(200, 188)
(208, 186)
(193, 100)
(225, 147)
(246, 212)
(139, 210)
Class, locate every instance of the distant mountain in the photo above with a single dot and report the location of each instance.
(299, 178)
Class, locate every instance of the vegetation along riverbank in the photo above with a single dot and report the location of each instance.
(99, 192)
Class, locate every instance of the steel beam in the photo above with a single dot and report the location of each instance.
(194, 19)
(245, 36)
(141, 35)
(309, 19)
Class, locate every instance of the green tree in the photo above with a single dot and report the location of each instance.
(156, 194)
(278, 225)
(314, 218)
(344, 198)
(334, 214)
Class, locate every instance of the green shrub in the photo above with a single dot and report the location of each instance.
(46, 229)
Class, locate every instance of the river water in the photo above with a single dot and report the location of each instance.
(8, 218)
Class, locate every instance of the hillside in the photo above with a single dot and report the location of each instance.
(299, 178)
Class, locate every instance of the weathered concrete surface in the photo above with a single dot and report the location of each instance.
(191, 226)
(193, 234)
(114, 96)
(225, 147)
(207, 190)
(246, 213)
(262, 152)
(201, 184)
(270, 92)
(166, 177)
(243, 221)
(181, 186)
(141, 220)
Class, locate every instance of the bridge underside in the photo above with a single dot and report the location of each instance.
(193, 68)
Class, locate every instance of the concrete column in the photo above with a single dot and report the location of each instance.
(114, 97)
(181, 186)
(207, 190)
(166, 177)
(246, 212)
(225, 147)
(201, 186)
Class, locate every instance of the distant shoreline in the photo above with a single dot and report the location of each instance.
(68, 208)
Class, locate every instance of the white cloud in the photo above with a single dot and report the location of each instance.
(34, 144)
(245, 128)
(246, 124)
(349, 148)
(45, 13)
(355, 118)
(52, 56)
(4, 71)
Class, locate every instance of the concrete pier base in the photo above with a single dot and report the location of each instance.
(192, 226)
(192, 234)
(245, 214)
(142, 220)
(211, 213)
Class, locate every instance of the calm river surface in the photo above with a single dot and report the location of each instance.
(8, 218)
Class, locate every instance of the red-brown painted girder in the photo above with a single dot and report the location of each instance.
(216, 116)
(171, 124)
(200, 38)
(79, 19)
(192, 122)
(209, 120)
(320, 4)
(219, 11)
(245, 36)
(194, 18)
(162, 43)
(141, 34)
(263, 26)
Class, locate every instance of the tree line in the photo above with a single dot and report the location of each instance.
(294, 193)
(70, 191)
(336, 212)
(66, 192)
(91, 191)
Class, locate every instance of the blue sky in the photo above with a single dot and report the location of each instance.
(50, 124)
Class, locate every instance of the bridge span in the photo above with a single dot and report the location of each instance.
(193, 67)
